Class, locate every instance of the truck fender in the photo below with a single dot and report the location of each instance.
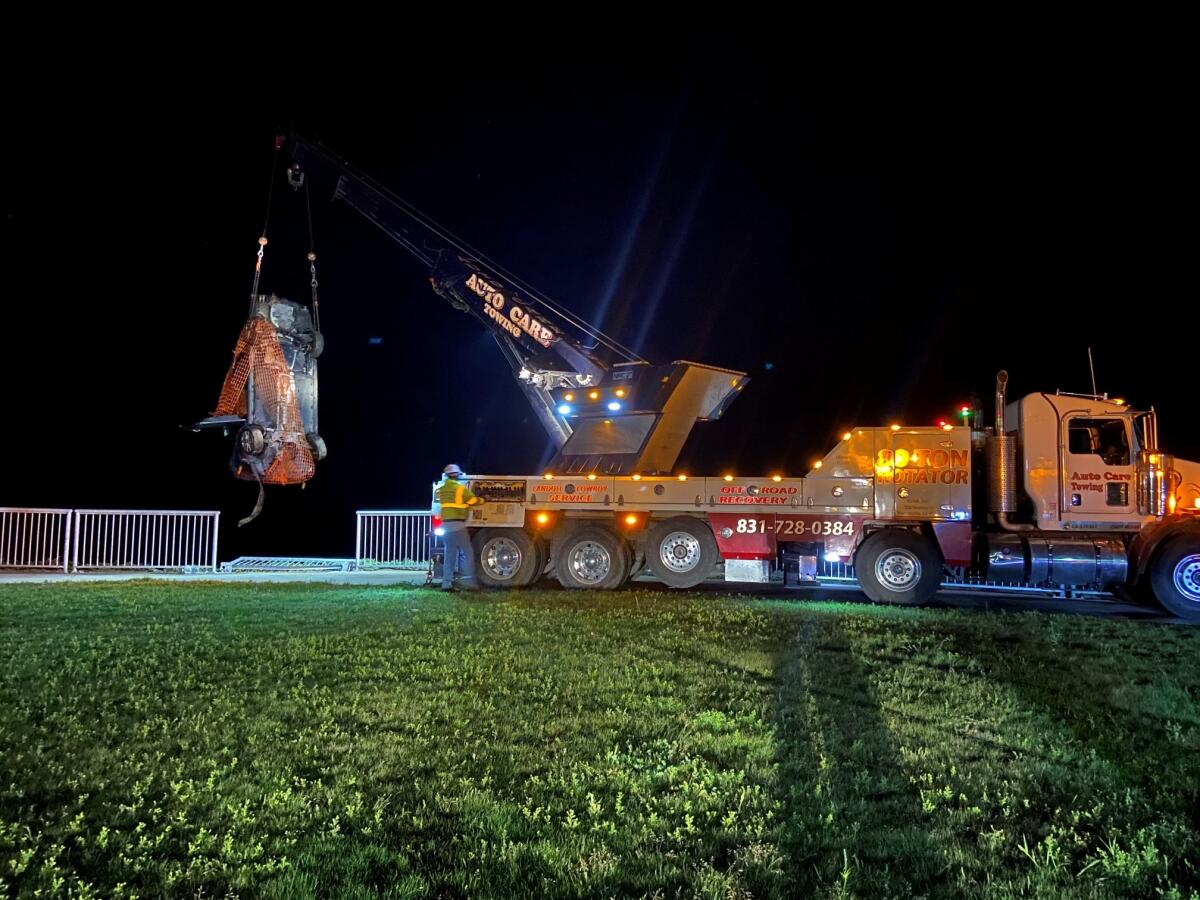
(1147, 542)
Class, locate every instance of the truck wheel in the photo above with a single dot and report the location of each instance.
(506, 557)
(591, 557)
(543, 557)
(898, 566)
(639, 561)
(1175, 577)
(681, 552)
(541, 549)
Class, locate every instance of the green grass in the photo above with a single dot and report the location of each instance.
(320, 741)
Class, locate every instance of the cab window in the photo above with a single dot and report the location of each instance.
(1106, 438)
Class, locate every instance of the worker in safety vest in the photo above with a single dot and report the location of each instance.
(451, 500)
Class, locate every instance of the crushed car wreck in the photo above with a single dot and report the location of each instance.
(270, 396)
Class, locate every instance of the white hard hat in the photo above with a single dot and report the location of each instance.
(452, 470)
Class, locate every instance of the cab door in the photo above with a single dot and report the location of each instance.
(1097, 469)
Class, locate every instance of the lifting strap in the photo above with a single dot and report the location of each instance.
(262, 240)
(312, 262)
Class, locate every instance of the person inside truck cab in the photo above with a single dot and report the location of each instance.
(1103, 437)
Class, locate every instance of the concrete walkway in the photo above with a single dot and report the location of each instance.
(377, 576)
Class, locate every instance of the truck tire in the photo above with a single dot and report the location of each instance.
(639, 561)
(681, 552)
(543, 557)
(506, 557)
(1175, 576)
(591, 558)
(898, 566)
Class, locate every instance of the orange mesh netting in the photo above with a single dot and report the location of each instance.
(258, 350)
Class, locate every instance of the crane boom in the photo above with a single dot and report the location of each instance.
(606, 409)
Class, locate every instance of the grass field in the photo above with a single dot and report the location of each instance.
(321, 741)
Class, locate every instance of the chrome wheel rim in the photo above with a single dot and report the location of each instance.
(898, 570)
(589, 562)
(680, 551)
(501, 558)
(1187, 577)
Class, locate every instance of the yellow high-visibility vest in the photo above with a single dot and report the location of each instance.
(454, 498)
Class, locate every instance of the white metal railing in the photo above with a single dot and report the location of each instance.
(145, 539)
(392, 538)
(34, 538)
(835, 571)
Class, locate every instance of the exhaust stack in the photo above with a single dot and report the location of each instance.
(1001, 458)
(1155, 474)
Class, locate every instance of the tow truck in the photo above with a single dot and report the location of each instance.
(1063, 492)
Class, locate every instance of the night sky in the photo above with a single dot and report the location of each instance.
(868, 251)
